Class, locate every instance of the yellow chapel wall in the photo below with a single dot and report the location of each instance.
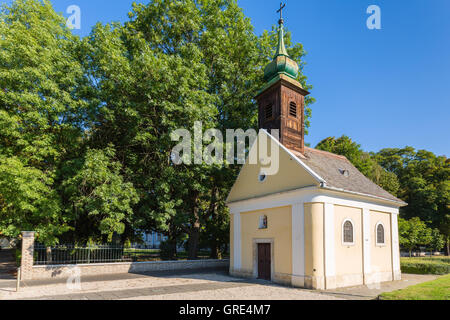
(314, 245)
(381, 255)
(349, 258)
(290, 176)
(279, 231)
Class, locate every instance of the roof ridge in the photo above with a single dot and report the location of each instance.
(327, 153)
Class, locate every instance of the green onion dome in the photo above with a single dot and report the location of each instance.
(282, 63)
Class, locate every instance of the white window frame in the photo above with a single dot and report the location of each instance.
(347, 244)
(378, 244)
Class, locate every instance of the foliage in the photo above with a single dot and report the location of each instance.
(433, 290)
(40, 115)
(413, 233)
(171, 64)
(27, 202)
(425, 185)
(425, 265)
(437, 240)
(99, 196)
(168, 250)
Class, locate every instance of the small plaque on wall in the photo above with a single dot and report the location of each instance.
(263, 222)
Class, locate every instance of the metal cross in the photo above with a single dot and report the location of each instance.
(282, 6)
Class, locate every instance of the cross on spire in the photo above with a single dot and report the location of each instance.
(282, 6)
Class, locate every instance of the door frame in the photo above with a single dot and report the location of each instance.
(270, 241)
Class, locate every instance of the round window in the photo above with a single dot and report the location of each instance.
(262, 177)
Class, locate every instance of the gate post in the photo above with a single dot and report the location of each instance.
(26, 266)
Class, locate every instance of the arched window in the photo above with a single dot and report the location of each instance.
(380, 234)
(347, 230)
(293, 109)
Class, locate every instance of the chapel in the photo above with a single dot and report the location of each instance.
(318, 222)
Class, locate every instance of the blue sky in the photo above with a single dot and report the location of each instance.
(383, 88)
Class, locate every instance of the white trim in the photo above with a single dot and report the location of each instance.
(298, 240)
(395, 246)
(379, 244)
(329, 225)
(237, 241)
(311, 194)
(348, 244)
(366, 244)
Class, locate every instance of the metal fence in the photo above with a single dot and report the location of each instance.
(72, 254)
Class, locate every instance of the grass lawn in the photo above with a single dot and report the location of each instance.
(438, 289)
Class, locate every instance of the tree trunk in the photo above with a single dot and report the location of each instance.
(448, 247)
(49, 255)
(194, 232)
(215, 250)
(215, 246)
(172, 240)
(194, 236)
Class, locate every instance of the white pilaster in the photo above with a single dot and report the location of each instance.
(395, 247)
(298, 245)
(329, 241)
(366, 246)
(237, 241)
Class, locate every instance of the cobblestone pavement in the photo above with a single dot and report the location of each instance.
(201, 286)
(198, 286)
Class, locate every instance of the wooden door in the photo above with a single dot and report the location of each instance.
(264, 261)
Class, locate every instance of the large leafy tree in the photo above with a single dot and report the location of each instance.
(425, 185)
(40, 115)
(172, 64)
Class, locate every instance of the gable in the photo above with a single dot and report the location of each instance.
(291, 175)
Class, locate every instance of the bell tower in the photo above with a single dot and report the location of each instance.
(281, 101)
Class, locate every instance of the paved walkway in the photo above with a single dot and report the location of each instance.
(199, 286)
(372, 292)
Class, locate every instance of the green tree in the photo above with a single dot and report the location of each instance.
(437, 241)
(27, 202)
(172, 64)
(41, 115)
(424, 184)
(101, 201)
(413, 233)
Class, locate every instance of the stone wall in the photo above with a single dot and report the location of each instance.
(64, 271)
(32, 272)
